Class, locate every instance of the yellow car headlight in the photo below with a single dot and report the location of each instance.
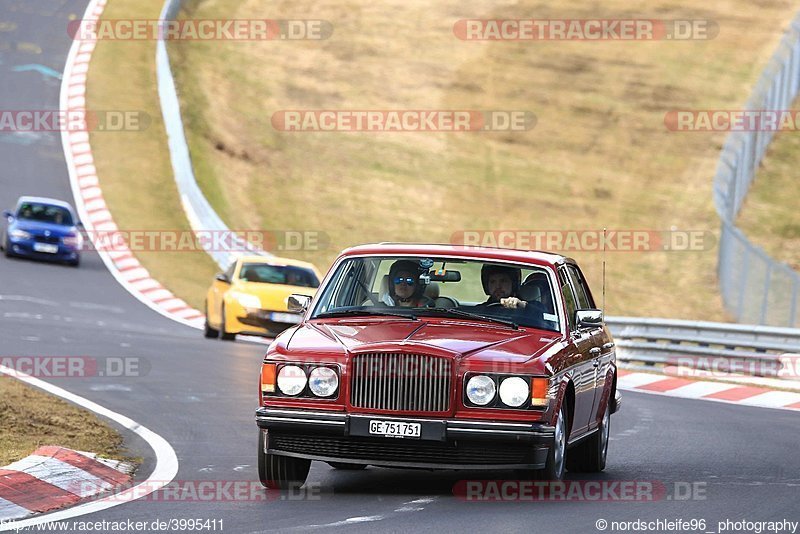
(247, 301)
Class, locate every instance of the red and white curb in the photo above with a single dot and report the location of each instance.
(54, 477)
(704, 390)
(89, 201)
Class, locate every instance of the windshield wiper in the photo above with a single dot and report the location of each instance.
(469, 315)
(364, 313)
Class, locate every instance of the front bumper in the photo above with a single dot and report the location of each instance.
(261, 322)
(445, 443)
(25, 248)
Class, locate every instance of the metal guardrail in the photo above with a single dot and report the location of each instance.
(746, 349)
(755, 288)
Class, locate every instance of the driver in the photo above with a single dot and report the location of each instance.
(405, 288)
(500, 283)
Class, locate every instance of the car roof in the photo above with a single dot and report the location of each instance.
(275, 260)
(45, 200)
(476, 252)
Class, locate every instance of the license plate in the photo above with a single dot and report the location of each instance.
(279, 317)
(394, 429)
(45, 247)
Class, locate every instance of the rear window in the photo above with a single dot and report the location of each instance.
(34, 211)
(278, 274)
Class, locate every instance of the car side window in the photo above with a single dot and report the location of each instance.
(569, 298)
(580, 288)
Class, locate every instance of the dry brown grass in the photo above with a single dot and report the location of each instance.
(134, 166)
(770, 216)
(599, 155)
(30, 418)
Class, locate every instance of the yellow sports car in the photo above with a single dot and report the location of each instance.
(250, 297)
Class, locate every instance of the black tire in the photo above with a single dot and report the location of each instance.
(280, 472)
(7, 249)
(223, 335)
(207, 330)
(590, 456)
(75, 263)
(555, 466)
(347, 467)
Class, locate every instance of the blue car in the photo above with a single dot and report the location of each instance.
(43, 228)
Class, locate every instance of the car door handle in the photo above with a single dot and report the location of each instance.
(594, 351)
(609, 345)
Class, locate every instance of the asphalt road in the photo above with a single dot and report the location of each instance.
(200, 394)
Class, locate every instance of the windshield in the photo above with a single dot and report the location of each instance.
(435, 286)
(34, 211)
(288, 275)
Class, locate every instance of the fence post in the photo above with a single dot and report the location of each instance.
(765, 301)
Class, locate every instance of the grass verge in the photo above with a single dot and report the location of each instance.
(30, 418)
(599, 156)
(769, 217)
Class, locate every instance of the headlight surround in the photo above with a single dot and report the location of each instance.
(323, 381)
(514, 391)
(74, 241)
(247, 300)
(292, 380)
(481, 390)
(19, 234)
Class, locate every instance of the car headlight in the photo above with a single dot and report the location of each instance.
(323, 381)
(247, 301)
(291, 380)
(19, 234)
(514, 391)
(481, 390)
(75, 241)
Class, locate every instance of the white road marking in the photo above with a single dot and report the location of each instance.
(32, 300)
(345, 522)
(110, 387)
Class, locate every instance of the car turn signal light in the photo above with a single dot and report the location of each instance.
(539, 391)
(268, 378)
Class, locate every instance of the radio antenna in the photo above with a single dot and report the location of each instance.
(603, 309)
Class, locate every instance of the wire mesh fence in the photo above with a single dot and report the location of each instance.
(756, 288)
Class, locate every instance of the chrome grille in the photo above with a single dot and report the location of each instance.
(400, 382)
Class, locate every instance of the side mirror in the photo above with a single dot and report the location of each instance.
(222, 277)
(298, 303)
(7, 214)
(79, 224)
(590, 318)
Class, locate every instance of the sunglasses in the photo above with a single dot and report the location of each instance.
(407, 281)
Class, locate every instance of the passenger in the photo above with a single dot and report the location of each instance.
(499, 282)
(405, 288)
(536, 291)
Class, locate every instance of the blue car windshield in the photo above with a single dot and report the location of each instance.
(30, 211)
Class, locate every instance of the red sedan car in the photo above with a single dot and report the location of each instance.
(440, 357)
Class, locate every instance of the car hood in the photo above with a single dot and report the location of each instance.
(459, 338)
(39, 228)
